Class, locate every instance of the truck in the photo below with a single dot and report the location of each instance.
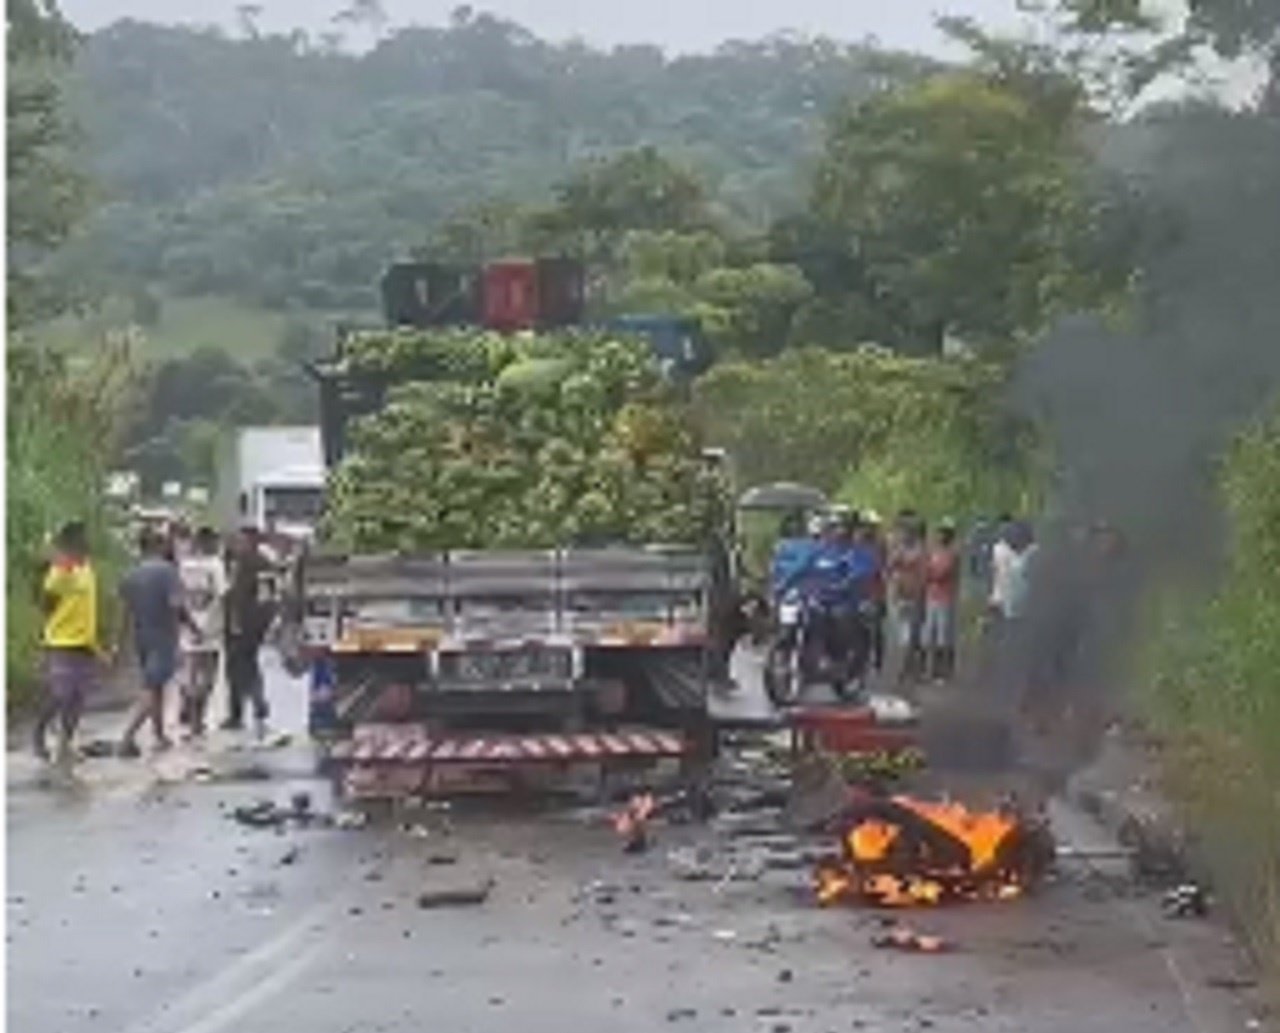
(500, 665)
(272, 478)
(503, 666)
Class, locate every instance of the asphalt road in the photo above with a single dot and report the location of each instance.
(136, 906)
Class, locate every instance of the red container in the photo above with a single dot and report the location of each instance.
(839, 730)
(511, 295)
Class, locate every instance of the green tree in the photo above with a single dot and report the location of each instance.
(640, 189)
(853, 420)
(46, 193)
(965, 200)
(749, 310)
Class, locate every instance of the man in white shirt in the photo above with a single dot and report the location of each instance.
(1010, 572)
(204, 583)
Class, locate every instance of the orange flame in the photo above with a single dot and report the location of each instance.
(879, 866)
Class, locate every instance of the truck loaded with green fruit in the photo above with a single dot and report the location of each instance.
(522, 561)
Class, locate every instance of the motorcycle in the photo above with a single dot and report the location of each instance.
(799, 655)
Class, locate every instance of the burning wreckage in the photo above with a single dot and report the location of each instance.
(898, 851)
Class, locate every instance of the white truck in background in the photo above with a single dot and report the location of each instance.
(272, 478)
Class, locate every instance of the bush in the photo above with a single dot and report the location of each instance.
(876, 428)
(1214, 695)
(59, 429)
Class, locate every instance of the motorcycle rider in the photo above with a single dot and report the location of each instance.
(834, 581)
(793, 552)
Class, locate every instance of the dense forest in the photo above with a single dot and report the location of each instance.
(286, 171)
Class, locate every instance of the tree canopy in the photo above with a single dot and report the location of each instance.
(284, 171)
(45, 192)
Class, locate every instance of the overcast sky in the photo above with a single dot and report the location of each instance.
(684, 26)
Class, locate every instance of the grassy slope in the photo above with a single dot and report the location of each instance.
(185, 325)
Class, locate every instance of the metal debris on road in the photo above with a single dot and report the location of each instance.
(700, 864)
(1188, 900)
(456, 894)
(351, 820)
(903, 938)
(262, 814)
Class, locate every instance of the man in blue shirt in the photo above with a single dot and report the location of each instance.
(792, 555)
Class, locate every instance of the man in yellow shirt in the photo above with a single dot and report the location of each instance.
(71, 648)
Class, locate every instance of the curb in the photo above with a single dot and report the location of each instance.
(1115, 791)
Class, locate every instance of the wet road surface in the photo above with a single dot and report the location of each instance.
(136, 906)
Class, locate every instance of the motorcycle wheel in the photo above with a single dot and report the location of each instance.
(781, 681)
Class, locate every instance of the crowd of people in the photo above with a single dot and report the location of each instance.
(194, 606)
(904, 580)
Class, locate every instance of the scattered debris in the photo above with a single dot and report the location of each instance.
(251, 772)
(701, 864)
(749, 824)
(1107, 853)
(351, 820)
(442, 859)
(98, 748)
(1188, 900)
(457, 894)
(262, 814)
(903, 938)
(1231, 982)
(291, 855)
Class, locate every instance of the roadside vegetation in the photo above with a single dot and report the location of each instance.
(59, 422)
(1214, 694)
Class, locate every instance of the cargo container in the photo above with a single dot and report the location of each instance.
(510, 294)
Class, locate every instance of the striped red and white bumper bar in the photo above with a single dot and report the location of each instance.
(401, 744)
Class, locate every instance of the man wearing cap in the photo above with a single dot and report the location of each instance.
(70, 638)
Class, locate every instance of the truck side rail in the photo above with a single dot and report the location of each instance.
(534, 593)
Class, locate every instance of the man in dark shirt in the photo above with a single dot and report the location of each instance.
(248, 618)
(153, 600)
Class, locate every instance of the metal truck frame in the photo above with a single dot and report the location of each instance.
(479, 662)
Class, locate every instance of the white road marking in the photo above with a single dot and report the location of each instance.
(245, 983)
(258, 993)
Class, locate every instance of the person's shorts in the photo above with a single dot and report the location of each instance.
(201, 672)
(158, 664)
(908, 616)
(70, 674)
(939, 630)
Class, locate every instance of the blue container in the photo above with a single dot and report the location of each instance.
(677, 341)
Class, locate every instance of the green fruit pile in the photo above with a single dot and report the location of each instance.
(881, 765)
(529, 441)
